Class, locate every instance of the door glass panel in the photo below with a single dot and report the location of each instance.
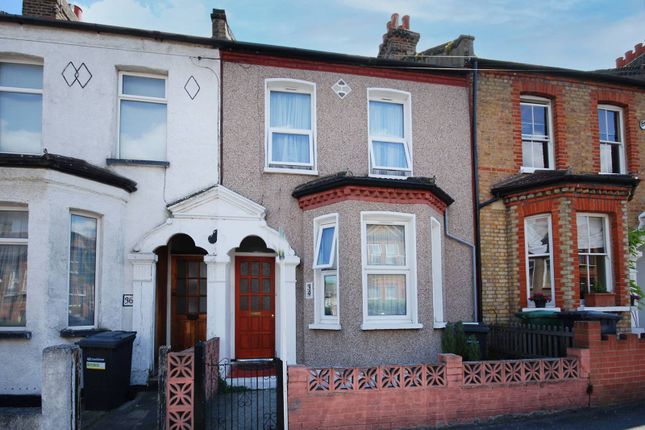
(181, 269)
(244, 268)
(266, 303)
(266, 285)
(202, 287)
(255, 303)
(255, 269)
(202, 304)
(193, 287)
(192, 305)
(244, 303)
(266, 269)
(181, 305)
(255, 285)
(181, 288)
(244, 285)
(193, 269)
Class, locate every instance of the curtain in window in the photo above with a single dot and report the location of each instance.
(290, 110)
(13, 224)
(386, 295)
(290, 148)
(591, 234)
(13, 285)
(385, 245)
(537, 235)
(325, 246)
(386, 119)
(331, 299)
(389, 154)
(82, 271)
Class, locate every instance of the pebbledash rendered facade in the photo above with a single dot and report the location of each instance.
(307, 218)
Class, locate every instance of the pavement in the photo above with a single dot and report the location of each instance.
(137, 414)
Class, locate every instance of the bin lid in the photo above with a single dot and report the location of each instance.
(589, 315)
(537, 314)
(107, 339)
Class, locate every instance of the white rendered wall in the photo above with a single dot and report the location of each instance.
(82, 123)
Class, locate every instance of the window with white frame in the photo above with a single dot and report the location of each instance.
(594, 257)
(82, 270)
(537, 134)
(21, 108)
(326, 271)
(142, 116)
(390, 140)
(612, 148)
(389, 270)
(290, 126)
(539, 258)
(13, 266)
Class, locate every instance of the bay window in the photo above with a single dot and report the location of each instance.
(612, 149)
(594, 262)
(389, 270)
(142, 116)
(13, 267)
(290, 126)
(82, 270)
(390, 143)
(537, 134)
(21, 108)
(539, 258)
(326, 313)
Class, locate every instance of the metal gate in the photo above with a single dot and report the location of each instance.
(237, 395)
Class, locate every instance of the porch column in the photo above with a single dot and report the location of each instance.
(217, 299)
(287, 297)
(143, 315)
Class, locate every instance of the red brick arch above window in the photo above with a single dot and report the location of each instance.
(540, 88)
(625, 101)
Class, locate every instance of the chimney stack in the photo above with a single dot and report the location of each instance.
(399, 42)
(52, 9)
(221, 30)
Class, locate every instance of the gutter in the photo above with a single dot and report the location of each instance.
(477, 286)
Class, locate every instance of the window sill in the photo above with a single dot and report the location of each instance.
(15, 334)
(605, 308)
(439, 324)
(128, 162)
(291, 171)
(391, 325)
(541, 309)
(532, 169)
(84, 332)
(324, 326)
(401, 177)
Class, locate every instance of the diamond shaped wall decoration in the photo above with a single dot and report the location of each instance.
(192, 87)
(72, 74)
(341, 88)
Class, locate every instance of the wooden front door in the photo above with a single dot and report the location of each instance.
(254, 307)
(188, 304)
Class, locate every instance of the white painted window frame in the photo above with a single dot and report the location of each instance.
(551, 303)
(97, 271)
(26, 91)
(539, 101)
(128, 97)
(290, 86)
(609, 268)
(322, 321)
(436, 256)
(18, 242)
(621, 152)
(392, 322)
(388, 95)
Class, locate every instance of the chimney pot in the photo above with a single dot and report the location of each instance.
(394, 22)
(398, 42)
(78, 11)
(406, 22)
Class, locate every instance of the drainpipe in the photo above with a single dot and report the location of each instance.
(473, 251)
(478, 271)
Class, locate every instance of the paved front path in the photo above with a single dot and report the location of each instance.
(137, 414)
(630, 417)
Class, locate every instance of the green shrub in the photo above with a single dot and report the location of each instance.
(455, 341)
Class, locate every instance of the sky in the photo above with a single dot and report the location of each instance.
(578, 34)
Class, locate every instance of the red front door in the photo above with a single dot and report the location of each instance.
(254, 307)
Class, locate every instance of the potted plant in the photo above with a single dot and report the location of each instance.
(599, 297)
(540, 299)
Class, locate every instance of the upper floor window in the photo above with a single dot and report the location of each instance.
(612, 149)
(82, 270)
(389, 270)
(537, 134)
(595, 274)
(539, 257)
(326, 272)
(390, 143)
(13, 267)
(290, 126)
(142, 117)
(21, 107)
